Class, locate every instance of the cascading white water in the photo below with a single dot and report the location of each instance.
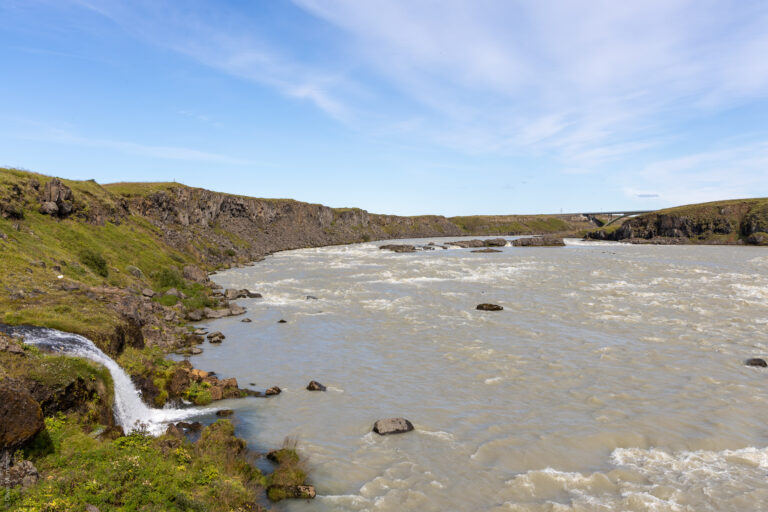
(130, 412)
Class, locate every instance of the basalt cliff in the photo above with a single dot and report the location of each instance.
(741, 221)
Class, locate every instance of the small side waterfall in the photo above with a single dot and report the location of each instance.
(130, 412)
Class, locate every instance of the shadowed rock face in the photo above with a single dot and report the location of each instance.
(266, 225)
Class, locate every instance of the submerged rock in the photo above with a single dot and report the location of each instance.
(282, 321)
(489, 307)
(486, 250)
(495, 242)
(392, 426)
(466, 244)
(398, 248)
(315, 386)
(246, 320)
(225, 412)
(756, 361)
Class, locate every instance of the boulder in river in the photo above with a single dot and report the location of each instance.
(466, 244)
(756, 361)
(274, 390)
(224, 412)
(392, 426)
(398, 248)
(486, 250)
(315, 386)
(235, 310)
(246, 320)
(495, 242)
(282, 321)
(538, 241)
(489, 307)
(216, 337)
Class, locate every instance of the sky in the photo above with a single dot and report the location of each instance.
(452, 107)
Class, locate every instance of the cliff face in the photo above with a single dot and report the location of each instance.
(219, 227)
(722, 222)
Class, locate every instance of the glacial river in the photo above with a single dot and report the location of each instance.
(612, 380)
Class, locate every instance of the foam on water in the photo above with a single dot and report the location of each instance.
(612, 380)
(130, 412)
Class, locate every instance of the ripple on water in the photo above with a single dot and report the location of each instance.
(612, 380)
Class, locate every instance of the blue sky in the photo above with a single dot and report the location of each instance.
(400, 106)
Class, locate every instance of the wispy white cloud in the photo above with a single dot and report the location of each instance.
(57, 135)
(727, 173)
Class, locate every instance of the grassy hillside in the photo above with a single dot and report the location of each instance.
(98, 246)
(521, 224)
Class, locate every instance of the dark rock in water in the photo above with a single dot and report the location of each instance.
(489, 307)
(20, 414)
(216, 337)
(538, 242)
(756, 361)
(225, 412)
(290, 492)
(246, 320)
(311, 297)
(252, 295)
(398, 248)
(274, 390)
(250, 392)
(281, 321)
(392, 426)
(486, 250)
(174, 430)
(495, 242)
(216, 313)
(235, 310)
(315, 386)
(466, 244)
(195, 426)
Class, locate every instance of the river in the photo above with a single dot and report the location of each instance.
(613, 379)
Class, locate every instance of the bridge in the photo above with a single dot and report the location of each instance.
(615, 215)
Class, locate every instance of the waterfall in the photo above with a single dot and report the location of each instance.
(130, 412)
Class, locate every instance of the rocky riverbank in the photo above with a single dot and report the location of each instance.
(723, 222)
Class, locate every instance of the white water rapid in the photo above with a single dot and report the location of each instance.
(130, 412)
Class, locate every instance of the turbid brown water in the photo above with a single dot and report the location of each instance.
(612, 380)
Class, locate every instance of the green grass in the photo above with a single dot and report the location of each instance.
(138, 472)
(516, 224)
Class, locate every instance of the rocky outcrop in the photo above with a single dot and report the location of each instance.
(724, 222)
(22, 416)
(398, 248)
(57, 199)
(756, 361)
(539, 242)
(315, 386)
(489, 307)
(189, 217)
(392, 426)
